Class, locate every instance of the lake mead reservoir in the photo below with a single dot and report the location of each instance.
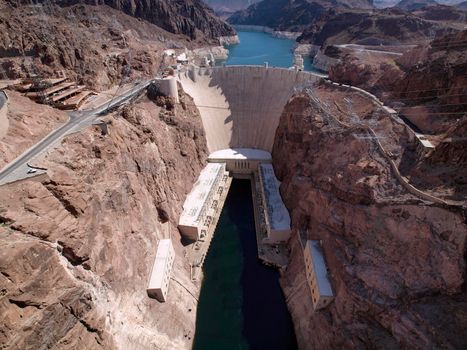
(256, 48)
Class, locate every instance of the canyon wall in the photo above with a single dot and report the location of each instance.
(189, 17)
(78, 243)
(396, 262)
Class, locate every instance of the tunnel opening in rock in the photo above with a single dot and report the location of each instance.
(241, 300)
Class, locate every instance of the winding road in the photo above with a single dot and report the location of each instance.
(19, 168)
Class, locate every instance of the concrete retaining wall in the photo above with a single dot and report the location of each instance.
(241, 105)
(4, 123)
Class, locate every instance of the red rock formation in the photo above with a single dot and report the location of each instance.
(78, 246)
(396, 262)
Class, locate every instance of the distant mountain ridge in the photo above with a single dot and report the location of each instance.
(230, 5)
(291, 15)
(411, 5)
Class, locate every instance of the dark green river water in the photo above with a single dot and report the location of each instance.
(241, 304)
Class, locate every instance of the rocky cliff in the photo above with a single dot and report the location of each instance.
(426, 82)
(396, 262)
(97, 45)
(94, 45)
(189, 17)
(286, 15)
(77, 246)
(386, 27)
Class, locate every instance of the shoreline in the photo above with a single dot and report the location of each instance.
(269, 30)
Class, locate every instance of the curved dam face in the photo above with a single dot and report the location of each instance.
(241, 105)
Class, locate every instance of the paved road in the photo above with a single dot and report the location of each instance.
(18, 168)
(360, 48)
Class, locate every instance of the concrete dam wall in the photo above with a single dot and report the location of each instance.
(241, 105)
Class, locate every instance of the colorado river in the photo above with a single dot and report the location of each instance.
(241, 304)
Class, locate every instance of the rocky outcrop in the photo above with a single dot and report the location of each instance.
(379, 27)
(188, 17)
(99, 46)
(77, 246)
(93, 45)
(443, 61)
(285, 15)
(375, 72)
(396, 262)
(462, 6)
(324, 62)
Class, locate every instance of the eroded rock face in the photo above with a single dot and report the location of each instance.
(188, 17)
(100, 46)
(77, 247)
(376, 73)
(93, 45)
(286, 15)
(396, 262)
(386, 27)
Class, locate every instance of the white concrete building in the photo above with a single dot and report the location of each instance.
(317, 275)
(201, 203)
(424, 145)
(240, 161)
(298, 63)
(275, 213)
(160, 274)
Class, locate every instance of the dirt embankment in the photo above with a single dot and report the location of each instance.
(396, 262)
(78, 245)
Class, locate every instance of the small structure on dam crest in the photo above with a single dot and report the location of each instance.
(160, 275)
(240, 161)
(275, 213)
(317, 275)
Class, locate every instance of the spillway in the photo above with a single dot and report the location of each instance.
(240, 106)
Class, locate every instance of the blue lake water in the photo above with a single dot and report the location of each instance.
(255, 48)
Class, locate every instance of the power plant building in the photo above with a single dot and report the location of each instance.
(317, 275)
(160, 274)
(241, 161)
(275, 213)
(200, 206)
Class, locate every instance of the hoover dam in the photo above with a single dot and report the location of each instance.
(240, 106)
